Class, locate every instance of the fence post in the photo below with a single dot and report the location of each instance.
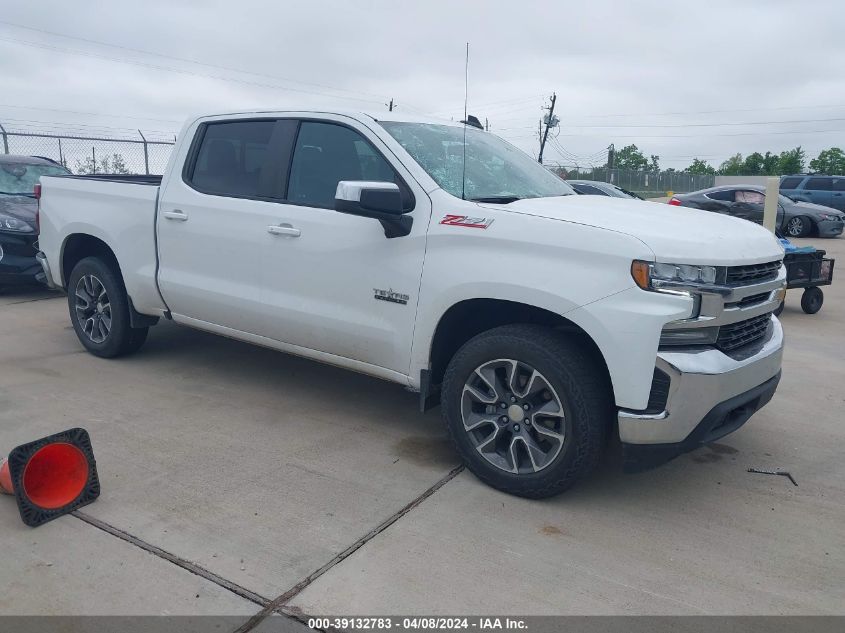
(146, 154)
(5, 139)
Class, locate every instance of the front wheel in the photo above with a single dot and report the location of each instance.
(527, 408)
(798, 226)
(99, 310)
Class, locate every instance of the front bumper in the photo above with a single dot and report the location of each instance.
(710, 394)
(17, 260)
(829, 228)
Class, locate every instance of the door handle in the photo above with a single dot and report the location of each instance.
(283, 229)
(176, 214)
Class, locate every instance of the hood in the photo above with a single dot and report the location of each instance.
(810, 207)
(19, 207)
(679, 235)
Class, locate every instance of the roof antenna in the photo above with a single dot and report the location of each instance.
(466, 92)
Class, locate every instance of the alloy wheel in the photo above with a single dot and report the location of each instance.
(513, 416)
(795, 227)
(93, 309)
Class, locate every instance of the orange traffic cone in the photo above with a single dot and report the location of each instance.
(51, 476)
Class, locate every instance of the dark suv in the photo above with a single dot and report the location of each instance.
(828, 191)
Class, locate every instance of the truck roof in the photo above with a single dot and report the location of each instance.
(382, 115)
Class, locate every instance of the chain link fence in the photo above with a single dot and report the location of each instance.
(91, 154)
(649, 184)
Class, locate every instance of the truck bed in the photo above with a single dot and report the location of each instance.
(132, 179)
(119, 210)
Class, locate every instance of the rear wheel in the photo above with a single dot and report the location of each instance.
(99, 310)
(527, 409)
(812, 300)
(798, 226)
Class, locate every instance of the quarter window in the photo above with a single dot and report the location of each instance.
(232, 159)
(324, 155)
(818, 184)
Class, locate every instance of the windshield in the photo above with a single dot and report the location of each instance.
(20, 178)
(494, 169)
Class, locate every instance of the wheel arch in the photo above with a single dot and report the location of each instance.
(470, 317)
(78, 246)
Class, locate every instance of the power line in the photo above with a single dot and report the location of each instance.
(183, 71)
(184, 59)
(102, 114)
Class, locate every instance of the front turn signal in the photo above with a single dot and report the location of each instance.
(640, 273)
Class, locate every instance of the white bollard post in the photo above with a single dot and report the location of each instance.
(770, 210)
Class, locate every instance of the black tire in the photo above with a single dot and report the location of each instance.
(122, 338)
(799, 226)
(812, 300)
(580, 382)
(780, 307)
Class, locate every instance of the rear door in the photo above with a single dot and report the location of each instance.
(213, 219)
(334, 282)
(818, 190)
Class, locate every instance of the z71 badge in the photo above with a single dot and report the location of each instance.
(466, 221)
(391, 296)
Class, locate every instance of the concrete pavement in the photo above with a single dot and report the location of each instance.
(262, 469)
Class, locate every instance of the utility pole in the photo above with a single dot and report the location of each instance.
(486, 124)
(390, 105)
(550, 122)
(611, 155)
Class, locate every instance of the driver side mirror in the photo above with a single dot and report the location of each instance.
(378, 200)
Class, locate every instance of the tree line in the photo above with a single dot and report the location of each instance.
(791, 161)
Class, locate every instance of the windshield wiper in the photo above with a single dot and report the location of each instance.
(497, 199)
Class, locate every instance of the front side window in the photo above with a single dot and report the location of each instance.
(495, 170)
(232, 157)
(839, 184)
(751, 197)
(790, 183)
(325, 154)
(588, 190)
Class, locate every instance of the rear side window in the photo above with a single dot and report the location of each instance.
(790, 183)
(726, 196)
(751, 197)
(325, 154)
(232, 157)
(818, 184)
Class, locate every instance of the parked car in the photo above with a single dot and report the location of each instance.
(598, 188)
(18, 229)
(539, 319)
(795, 219)
(828, 191)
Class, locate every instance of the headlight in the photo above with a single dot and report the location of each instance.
(690, 336)
(9, 223)
(830, 216)
(655, 276)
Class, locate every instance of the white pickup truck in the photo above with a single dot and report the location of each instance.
(437, 256)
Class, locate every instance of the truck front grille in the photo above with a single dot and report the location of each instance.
(736, 335)
(753, 273)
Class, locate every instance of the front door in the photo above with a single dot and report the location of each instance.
(334, 282)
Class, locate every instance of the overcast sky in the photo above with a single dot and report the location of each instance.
(658, 74)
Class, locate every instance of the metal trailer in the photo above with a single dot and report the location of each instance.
(808, 270)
